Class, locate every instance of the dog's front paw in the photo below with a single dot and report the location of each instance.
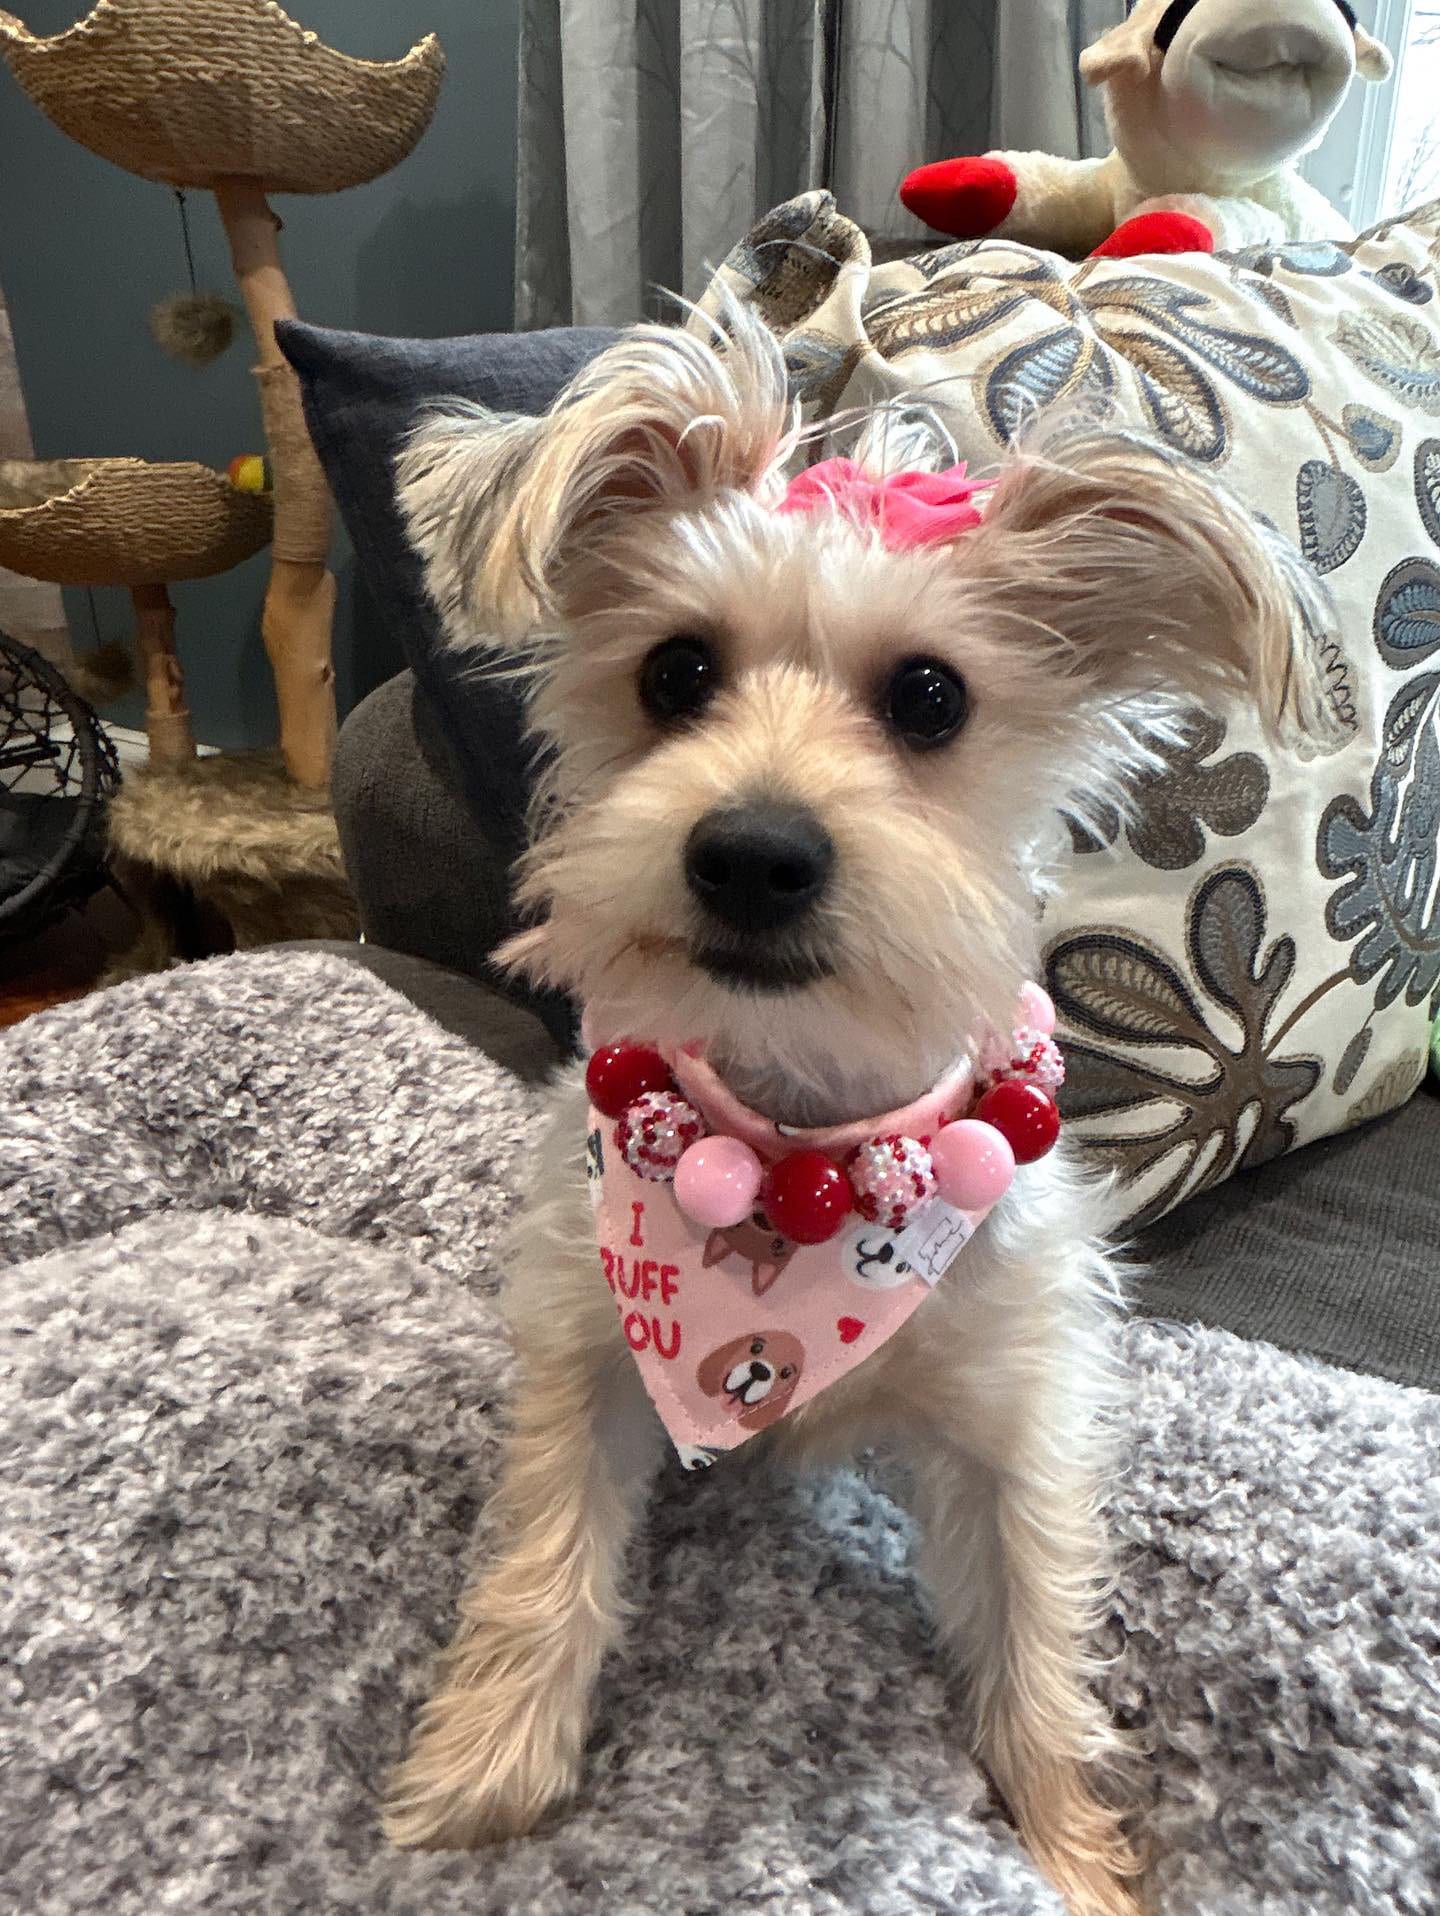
(484, 1765)
(1092, 1863)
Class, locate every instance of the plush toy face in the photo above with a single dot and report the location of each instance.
(1230, 89)
(1250, 86)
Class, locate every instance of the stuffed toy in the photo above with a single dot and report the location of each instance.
(1208, 103)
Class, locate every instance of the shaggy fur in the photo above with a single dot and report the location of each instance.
(256, 851)
(1105, 579)
(253, 1387)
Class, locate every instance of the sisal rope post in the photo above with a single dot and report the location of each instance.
(300, 599)
(167, 717)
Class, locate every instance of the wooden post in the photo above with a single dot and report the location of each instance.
(167, 718)
(300, 600)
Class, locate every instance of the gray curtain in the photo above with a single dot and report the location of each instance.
(653, 132)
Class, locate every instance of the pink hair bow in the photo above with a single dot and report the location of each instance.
(907, 509)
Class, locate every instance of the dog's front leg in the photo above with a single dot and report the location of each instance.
(1012, 1563)
(501, 1738)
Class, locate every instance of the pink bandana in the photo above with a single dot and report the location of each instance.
(908, 508)
(733, 1328)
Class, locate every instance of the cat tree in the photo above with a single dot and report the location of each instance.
(235, 98)
(231, 97)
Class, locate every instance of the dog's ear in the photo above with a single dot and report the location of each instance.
(715, 1368)
(1373, 59)
(1123, 52)
(501, 508)
(717, 1248)
(1138, 576)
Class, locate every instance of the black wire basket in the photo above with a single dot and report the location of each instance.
(58, 770)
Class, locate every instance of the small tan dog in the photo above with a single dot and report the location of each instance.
(908, 723)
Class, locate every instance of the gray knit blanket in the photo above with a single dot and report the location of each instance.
(251, 1387)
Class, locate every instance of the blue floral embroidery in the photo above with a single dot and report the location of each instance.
(1407, 614)
(1331, 509)
(1388, 856)
(1118, 989)
(1398, 353)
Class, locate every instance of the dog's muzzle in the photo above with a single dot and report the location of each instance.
(758, 871)
(751, 1382)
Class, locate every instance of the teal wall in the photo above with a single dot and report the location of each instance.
(86, 251)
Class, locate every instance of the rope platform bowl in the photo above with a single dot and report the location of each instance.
(131, 523)
(57, 773)
(189, 92)
(125, 521)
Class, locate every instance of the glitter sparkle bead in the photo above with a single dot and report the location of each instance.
(892, 1177)
(620, 1073)
(1029, 1056)
(655, 1132)
(806, 1197)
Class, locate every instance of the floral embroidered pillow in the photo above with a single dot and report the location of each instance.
(1253, 961)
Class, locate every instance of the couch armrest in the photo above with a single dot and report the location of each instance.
(431, 878)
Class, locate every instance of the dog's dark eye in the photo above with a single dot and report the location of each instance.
(757, 1347)
(679, 678)
(926, 702)
(787, 1370)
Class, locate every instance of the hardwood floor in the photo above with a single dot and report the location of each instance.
(65, 961)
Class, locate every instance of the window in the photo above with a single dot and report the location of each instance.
(1382, 155)
(1413, 172)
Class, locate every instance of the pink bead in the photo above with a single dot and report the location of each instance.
(1036, 1009)
(974, 1165)
(717, 1182)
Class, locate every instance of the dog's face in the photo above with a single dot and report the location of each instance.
(757, 1375)
(799, 777)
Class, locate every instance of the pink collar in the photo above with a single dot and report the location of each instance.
(726, 1115)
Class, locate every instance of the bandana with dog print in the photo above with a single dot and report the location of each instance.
(733, 1327)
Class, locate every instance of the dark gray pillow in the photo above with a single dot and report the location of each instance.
(362, 394)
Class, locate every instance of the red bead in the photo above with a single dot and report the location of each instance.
(1028, 1121)
(618, 1074)
(806, 1197)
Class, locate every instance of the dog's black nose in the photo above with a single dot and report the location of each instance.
(758, 867)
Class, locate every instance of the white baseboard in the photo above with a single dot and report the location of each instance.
(132, 748)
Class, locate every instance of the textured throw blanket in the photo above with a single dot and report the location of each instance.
(252, 1384)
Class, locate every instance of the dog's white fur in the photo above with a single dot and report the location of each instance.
(1108, 580)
